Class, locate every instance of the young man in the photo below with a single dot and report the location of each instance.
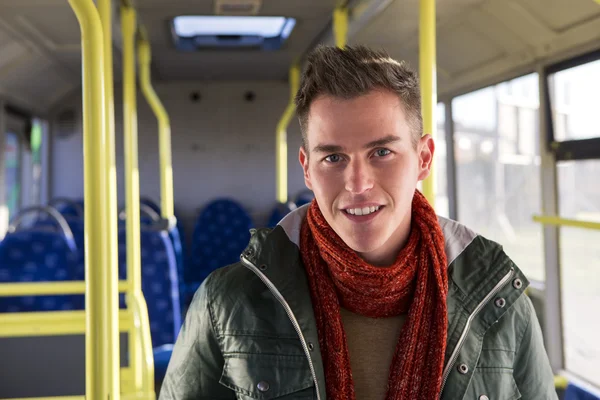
(365, 293)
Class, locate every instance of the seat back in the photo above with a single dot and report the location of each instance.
(67, 207)
(303, 197)
(221, 233)
(37, 256)
(279, 211)
(175, 234)
(160, 284)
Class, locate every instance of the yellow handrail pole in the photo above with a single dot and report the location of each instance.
(281, 149)
(573, 223)
(96, 209)
(340, 26)
(164, 129)
(427, 67)
(112, 274)
(560, 382)
(45, 288)
(132, 183)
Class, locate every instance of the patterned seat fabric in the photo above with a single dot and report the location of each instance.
(221, 233)
(37, 256)
(576, 392)
(176, 235)
(160, 285)
(303, 197)
(279, 211)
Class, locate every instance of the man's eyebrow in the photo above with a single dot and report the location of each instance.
(328, 148)
(383, 141)
(333, 148)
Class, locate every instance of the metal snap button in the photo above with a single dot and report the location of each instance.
(250, 252)
(311, 347)
(463, 368)
(483, 397)
(500, 302)
(263, 267)
(263, 386)
(517, 283)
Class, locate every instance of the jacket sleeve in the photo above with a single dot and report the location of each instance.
(197, 361)
(532, 371)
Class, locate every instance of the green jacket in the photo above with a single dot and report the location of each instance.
(250, 331)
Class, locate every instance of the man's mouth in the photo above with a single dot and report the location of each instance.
(362, 210)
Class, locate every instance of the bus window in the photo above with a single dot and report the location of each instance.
(579, 198)
(439, 166)
(441, 187)
(12, 172)
(496, 149)
(36, 161)
(575, 94)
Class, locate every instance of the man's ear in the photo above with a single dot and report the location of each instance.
(425, 150)
(303, 158)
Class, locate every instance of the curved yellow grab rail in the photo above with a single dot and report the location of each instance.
(281, 148)
(574, 223)
(111, 329)
(164, 128)
(427, 72)
(97, 208)
(340, 26)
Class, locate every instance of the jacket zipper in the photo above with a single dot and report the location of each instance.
(463, 336)
(290, 314)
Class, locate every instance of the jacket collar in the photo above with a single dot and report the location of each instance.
(475, 264)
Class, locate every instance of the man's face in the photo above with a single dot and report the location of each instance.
(363, 169)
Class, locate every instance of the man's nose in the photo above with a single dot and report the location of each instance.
(359, 178)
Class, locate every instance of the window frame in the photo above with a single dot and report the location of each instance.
(575, 149)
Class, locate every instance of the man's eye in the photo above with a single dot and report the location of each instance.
(382, 152)
(334, 158)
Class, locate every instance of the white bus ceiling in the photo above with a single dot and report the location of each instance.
(479, 41)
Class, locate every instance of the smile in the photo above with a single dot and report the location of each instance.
(362, 211)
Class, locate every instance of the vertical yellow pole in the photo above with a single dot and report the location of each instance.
(132, 183)
(340, 26)
(164, 129)
(96, 207)
(281, 148)
(428, 78)
(111, 328)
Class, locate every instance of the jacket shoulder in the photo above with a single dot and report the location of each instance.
(473, 259)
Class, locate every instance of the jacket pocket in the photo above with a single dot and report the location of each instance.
(493, 384)
(268, 376)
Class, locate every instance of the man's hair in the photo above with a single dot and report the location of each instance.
(354, 71)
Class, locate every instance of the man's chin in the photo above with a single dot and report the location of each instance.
(361, 245)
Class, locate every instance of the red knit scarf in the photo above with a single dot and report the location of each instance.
(416, 283)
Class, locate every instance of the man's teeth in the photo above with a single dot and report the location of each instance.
(362, 211)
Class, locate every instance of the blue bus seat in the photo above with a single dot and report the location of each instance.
(37, 255)
(576, 392)
(279, 211)
(176, 235)
(160, 287)
(68, 208)
(221, 233)
(303, 197)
